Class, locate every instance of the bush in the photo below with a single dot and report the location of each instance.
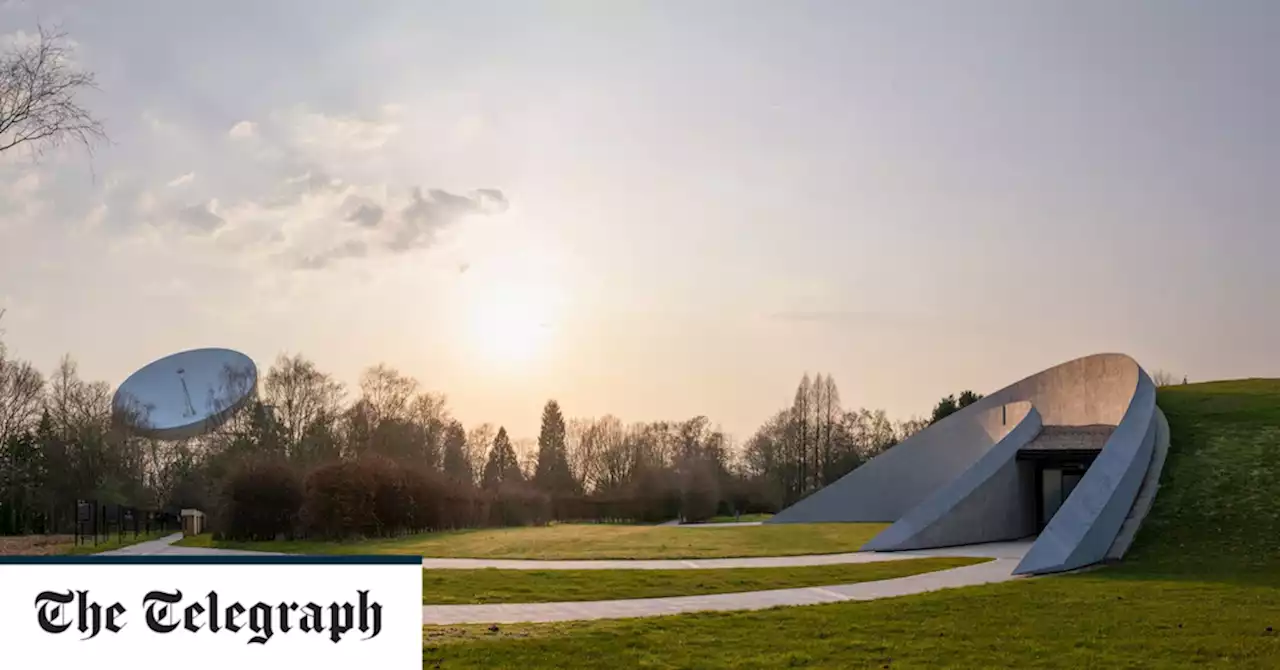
(261, 499)
(425, 491)
(377, 497)
(462, 506)
(519, 504)
(392, 504)
(340, 501)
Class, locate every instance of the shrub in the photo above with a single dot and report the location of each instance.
(392, 504)
(518, 504)
(424, 489)
(340, 500)
(261, 500)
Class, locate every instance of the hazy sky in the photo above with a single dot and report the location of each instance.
(659, 209)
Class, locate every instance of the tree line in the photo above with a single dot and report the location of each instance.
(308, 456)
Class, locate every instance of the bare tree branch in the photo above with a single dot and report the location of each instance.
(38, 88)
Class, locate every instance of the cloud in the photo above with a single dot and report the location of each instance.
(146, 203)
(201, 218)
(312, 129)
(390, 230)
(350, 249)
(158, 125)
(424, 217)
(20, 197)
(243, 130)
(18, 40)
(363, 211)
(96, 216)
(25, 186)
(182, 180)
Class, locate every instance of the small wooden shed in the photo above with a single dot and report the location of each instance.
(192, 522)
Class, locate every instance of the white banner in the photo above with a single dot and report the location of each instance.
(226, 612)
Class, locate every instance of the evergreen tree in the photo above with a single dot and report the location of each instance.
(457, 466)
(968, 398)
(552, 473)
(945, 408)
(502, 466)
(950, 405)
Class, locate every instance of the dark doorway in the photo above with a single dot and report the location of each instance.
(1054, 486)
(1056, 475)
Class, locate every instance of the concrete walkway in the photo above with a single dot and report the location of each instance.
(1007, 557)
(165, 547)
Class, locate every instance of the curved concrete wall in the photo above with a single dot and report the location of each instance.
(1100, 389)
(1146, 493)
(984, 504)
(891, 484)
(1084, 528)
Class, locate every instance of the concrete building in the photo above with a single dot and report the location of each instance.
(1071, 455)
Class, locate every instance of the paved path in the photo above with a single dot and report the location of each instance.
(1007, 555)
(722, 524)
(165, 547)
(999, 570)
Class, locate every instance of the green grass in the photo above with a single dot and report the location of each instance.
(113, 542)
(594, 541)
(474, 587)
(1201, 588)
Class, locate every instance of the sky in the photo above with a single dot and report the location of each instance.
(658, 209)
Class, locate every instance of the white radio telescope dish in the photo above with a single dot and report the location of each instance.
(186, 394)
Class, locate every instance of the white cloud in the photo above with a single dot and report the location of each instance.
(146, 203)
(20, 199)
(201, 218)
(182, 180)
(312, 129)
(26, 186)
(243, 130)
(19, 39)
(156, 123)
(96, 216)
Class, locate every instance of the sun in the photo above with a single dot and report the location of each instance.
(511, 323)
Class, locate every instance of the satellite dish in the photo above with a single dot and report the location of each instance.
(186, 394)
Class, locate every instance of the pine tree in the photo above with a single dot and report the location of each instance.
(502, 466)
(552, 473)
(457, 466)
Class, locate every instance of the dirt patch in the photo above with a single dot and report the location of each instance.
(35, 545)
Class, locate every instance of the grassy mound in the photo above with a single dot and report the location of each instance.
(1218, 509)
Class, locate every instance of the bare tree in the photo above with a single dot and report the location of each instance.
(388, 392)
(39, 85)
(479, 439)
(21, 396)
(77, 407)
(301, 395)
(1163, 378)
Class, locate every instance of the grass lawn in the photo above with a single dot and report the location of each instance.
(64, 545)
(475, 587)
(594, 541)
(114, 542)
(1200, 588)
